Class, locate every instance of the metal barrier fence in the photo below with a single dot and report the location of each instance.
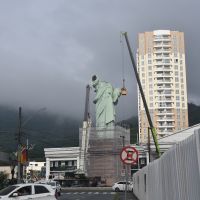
(175, 176)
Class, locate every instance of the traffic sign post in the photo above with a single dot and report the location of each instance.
(129, 156)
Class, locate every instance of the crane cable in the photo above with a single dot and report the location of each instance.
(123, 60)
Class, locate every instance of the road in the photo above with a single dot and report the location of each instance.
(97, 195)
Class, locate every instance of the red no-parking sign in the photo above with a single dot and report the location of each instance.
(129, 155)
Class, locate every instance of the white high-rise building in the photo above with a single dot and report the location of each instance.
(162, 71)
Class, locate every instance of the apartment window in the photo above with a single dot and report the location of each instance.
(150, 80)
(177, 91)
(182, 80)
(177, 104)
(56, 163)
(150, 73)
(182, 86)
(51, 164)
(177, 85)
(149, 55)
(176, 79)
(181, 62)
(182, 98)
(181, 74)
(177, 98)
(143, 81)
(176, 67)
(142, 63)
(142, 69)
(176, 73)
(149, 62)
(181, 68)
(183, 105)
(150, 67)
(70, 163)
(182, 92)
(150, 86)
(175, 54)
(151, 92)
(175, 60)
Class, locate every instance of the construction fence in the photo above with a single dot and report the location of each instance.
(175, 176)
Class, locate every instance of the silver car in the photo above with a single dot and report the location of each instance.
(54, 184)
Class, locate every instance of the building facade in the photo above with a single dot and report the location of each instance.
(162, 71)
(61, 161)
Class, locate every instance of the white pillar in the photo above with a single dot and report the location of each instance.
(47, 168)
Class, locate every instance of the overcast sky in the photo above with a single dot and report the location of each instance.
(49, 49)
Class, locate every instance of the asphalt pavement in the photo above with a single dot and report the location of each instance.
(94, 193)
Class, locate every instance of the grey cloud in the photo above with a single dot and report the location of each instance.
(50, 49)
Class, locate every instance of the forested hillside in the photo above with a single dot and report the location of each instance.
(49, 130)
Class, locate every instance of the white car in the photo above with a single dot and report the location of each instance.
(121, 185)
(54, 184)
(27, 191)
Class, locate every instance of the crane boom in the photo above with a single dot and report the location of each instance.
(153, 130)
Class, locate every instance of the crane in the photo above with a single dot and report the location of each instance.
(153, 129)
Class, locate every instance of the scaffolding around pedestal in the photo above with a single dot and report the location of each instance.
(100, 152)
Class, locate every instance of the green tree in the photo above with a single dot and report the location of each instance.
(3, 179)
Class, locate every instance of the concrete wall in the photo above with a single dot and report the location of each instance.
(175, 176)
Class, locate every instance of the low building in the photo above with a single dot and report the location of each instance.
(61, 162)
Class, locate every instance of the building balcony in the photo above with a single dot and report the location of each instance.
(165, 113)
(165, 119)
(63, 168)
(164, 100)
(160, 67)
(165, 126)
(164, 106)
(162, 39)
(163, 82)
(168, 75)
(162, 50)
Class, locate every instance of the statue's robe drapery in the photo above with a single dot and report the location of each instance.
(106, 98)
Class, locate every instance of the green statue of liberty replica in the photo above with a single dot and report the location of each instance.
(106, 98)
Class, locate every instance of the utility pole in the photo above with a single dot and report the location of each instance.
(19, 142)
(149, 145)
(125, 166)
